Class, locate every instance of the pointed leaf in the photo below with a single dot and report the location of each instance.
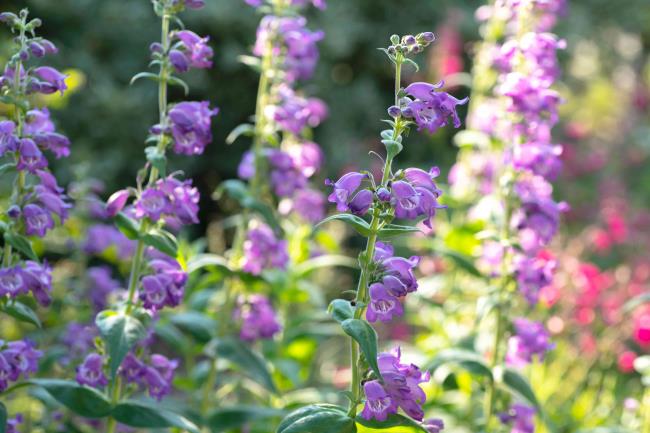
(318, 419)
(129, 227)
(245, 129)
(201, 326)
(22, 312)
(22, 244)
(143, 415)
(232, 417)
(357, 223)
(365, 335)
(208, 260)
(148, 75)
(237, 190)
(249, 362)
(120, 332)
(470, 361)
(84, 401)
(341, 310)
(519, 385)
(391, 230)
(393, 420)
(175, 81)
(162, 241)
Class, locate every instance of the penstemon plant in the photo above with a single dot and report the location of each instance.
(36, 201)
(515, 111)
(382, 382)
(122, 363)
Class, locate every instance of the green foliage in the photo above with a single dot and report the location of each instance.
(120, 332)
(319, 418)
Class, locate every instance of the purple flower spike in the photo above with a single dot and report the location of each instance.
(431, 109)
(383, 305)
(91, 372)
(53, 80)
(344, 188)
(378, 403)
(262, 250)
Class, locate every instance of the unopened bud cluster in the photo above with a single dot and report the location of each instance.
(409, 44)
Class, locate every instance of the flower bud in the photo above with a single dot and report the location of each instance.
(37, 49)
(9, 18)
(427, 37)
(394, 111)
(394, 39)
(156, 47)
(116, 202)
(407, 112)
(24, 55)
(391, 50)
(383, 194)
(415, 49)
(409, 40)
(14, 212)
(36, 22)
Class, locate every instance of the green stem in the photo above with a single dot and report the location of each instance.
(162, 92)
(260, 118)
(134, 276)
(115, 397)
(645, 403)
(490, 395)
(361, 299)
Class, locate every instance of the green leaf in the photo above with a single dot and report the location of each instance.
(232, 417)
(147, 75)
(461, 260)
(22, 244)
(142, 415)
(325, 261)
(163, 241)
(249, 362)
(467, 359)
(318, 418)
(341, 310)
(365, 335)
(245, 129)
(201, 326)
(84, 401)
(157, 158)
(22, 312)
(391, 230)
(237, 190)
(120, 332)
(3, 418)
(357, 223)
(175, 81)
(518, 385)
(251, 61)
(393, 420)
(208, 260)
(129, 227)
(411, 63)
(641, 299)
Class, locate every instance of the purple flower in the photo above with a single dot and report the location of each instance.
(101, 237)
(194, 4)
(50, 195)
(396, 273)
(263, 250)
(132, 368)
(91, 372)
(530, 340)
(433, 425)
(12, 423)
(293, 113)
(293, 41)
(42, 47)
(31, 158)
(401, 385)
(361, 202)
(179, 61)
(309, 204)
(151, 204)
(8, 141)
(22, 358)
(540, 158)
(78, 339)
(191, 126)
(254, 3)
(38, 122)
(165, 287)
(344, 188)
(183, 200)
(256, 317)
(521, 417)
(158, 377)
(307, 157)
(378, 403)
(52, 80)
(246, 168)
(533, 274)
(383, 305)
(531, 98)
(285, 178)
(417, 195)
(38, 279)
(116, 202)
(101, 284)
(37, 220)
(12, 282)
(431, 109)
(42, 131)
(196, 50)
